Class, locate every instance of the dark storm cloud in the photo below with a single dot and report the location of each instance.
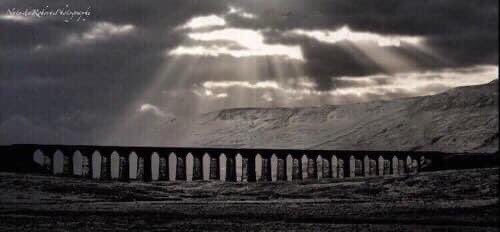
(325, 62)
(463, 31)
(426, 17)
(72, 92)
(82, 87)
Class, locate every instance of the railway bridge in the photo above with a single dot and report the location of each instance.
(222, 164)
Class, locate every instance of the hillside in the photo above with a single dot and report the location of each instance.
(460, 120)
(455, 200)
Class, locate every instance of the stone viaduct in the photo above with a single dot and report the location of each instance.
(223, 164)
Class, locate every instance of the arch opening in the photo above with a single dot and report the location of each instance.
(304, 167)
(258, 167)
(172, 166)
(58, 166)
(239, 167)
(77, 163)
(189, 166)
(132, 166)
(96, 165)
(206, 166)
(39, 158)
(155, 166)
(334, 166)
(222, 167)
(115, 165)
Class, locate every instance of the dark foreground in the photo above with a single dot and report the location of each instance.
(462, 200)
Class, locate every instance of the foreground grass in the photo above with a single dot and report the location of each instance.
(465, 200)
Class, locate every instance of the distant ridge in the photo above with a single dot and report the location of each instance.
(463, 119)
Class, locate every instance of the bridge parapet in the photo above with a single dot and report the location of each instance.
(224, 164)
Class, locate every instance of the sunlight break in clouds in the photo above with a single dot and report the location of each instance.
(300, 86)
(420, 83)
(245, 84)
(204, 21)
(240, 12)
(101, 31)
(251, 42)
(346, 34)
(360, 89)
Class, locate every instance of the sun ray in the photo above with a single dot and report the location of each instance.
(130, 113)
(389, 60)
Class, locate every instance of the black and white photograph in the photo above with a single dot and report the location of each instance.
(249, 115)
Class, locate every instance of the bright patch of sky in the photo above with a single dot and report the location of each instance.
(251, 42)
(204, 21)
(411, 84)
(100, 31)
(240, 12)
(346, 34)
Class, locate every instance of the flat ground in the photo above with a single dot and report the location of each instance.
(455, 200)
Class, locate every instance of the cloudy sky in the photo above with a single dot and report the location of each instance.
(140, 64)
